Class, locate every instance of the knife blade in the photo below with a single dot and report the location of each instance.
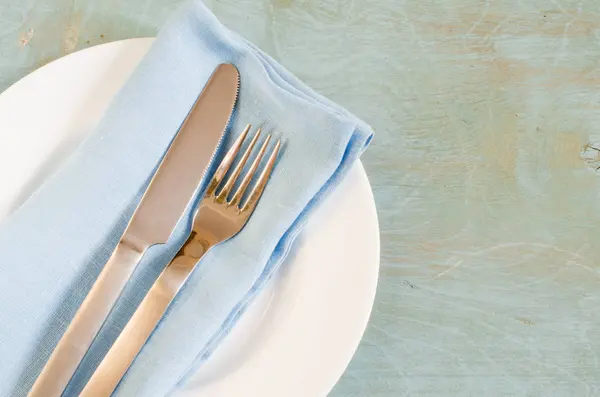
(167, 196)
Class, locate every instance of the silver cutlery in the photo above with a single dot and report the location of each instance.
(164, 202)
(222, 214)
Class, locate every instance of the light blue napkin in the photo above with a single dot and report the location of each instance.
(53, 247)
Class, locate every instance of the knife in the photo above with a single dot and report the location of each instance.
(162, 205)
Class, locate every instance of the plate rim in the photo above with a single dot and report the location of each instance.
(147, 42)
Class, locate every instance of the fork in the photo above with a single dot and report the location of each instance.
(222, 214)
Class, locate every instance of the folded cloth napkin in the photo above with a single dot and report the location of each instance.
(53, 247)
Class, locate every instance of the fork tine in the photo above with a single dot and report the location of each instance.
(237, 197)
(227, 161)
(222, 197)
(258, 189)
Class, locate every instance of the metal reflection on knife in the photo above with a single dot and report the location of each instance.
(164, 202)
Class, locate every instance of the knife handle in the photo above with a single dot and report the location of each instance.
(88, 320)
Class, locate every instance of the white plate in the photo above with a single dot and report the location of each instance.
(300, 334)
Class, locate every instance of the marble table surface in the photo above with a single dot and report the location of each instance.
(484, 169)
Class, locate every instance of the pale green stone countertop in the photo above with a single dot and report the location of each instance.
(483, 169)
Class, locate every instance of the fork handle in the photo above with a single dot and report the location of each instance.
(88, 320)
(139, 328)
